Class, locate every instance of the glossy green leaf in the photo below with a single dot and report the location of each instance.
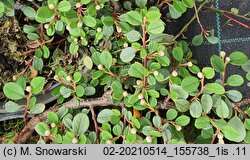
(12, 106)
(13, 91)
(182, 120)
(136, 70)
(238, 58)
(156, 27)
(206, 103)
(80, 124)
(37, 84)
(235, 80)
(128, 54)
(134, 18)
(217, 63)
(190, 84)
(106, 59)
(195, 109)
(215, 88)
(208, 72)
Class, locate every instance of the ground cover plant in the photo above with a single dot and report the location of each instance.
(117, 76)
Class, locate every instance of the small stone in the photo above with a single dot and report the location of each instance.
(140, 96)
(28, 89)
(174, 73)
(109, 142)
(133, 130)
(161, 53)
(79, 24)
(78, 5)
(156, 73)
(189, 64)
(51, 6)
(46, 26)
(53, 125)
(68, 78)
(125, 45)
(100, 67)
(47, 133)
(149, 139)
(178, 128)
(98, 7)
(223, 54)
(74, 140)
(142, 102)
(99, 29)
(119, 29)
(125, 93)
(200, 75)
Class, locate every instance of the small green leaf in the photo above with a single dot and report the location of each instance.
(28, 11)
(12, 106)
(238, 58)
(106, 59)
(141, 3)
(37, 63)
(88, 62)
(173, 12)
(212, 39)
(222, 110)
(171, 114)
(117, 90)
(64, 6)
(195, 109)
(157, 121)
(234, 95)
(208, 72)
(197, 40)
(73, 48)
(182, 120)
(80, 91)
(153, 16)
(89, 21)
(37, 109)
(128, 54)
(41, 128)
(190, 84)
(133, 36)
(134, 18)
(13, 91)
(2, 7)
(46, 52)
(104, 116)
(188, 3)
(179, 6)
(156, 27)
(182, 105)
(80, 124)
(117, 130)
(44, 15)
(215, 88)
(65, 92)
(178, 53)
(77, 77)
(206, 102)
(136, 70)
(52, 118)
(230, 133)
(37, 84)
(217, 63)
(202, 122)
(235, 80)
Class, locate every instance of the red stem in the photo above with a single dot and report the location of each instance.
(236, 21)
